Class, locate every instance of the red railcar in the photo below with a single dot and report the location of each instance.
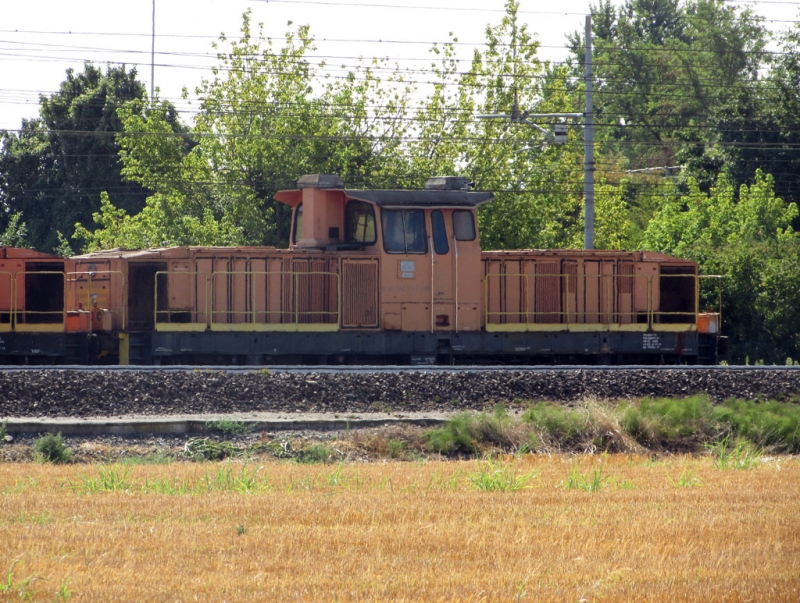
(370, 276)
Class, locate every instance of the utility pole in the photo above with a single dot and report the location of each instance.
(524, 117)
(588, 147)
(153, 55)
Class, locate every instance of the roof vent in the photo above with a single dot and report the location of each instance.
(448, 183)
(320, 181)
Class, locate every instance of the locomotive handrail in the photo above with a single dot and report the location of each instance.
(28, 324)
(660, 324)
(251, 322)
(718, 313)
(571, 320)
(7, 310)
(90, 302)
(168, 325)
(164, 319)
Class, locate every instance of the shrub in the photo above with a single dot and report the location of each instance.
(655, 421)
(50, 448)
(316, 453)
(560, 424)
(771, 423)
(396, 448)
(229, 427)
(457, 436)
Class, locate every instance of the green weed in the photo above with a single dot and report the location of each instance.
(687, 479)
(457, 436)
(171, 487)
(396, 448)
(773, 424)
(229, 427)
(336, 478)
(226, 480)
(558, 425)
(591, 482)
(112, 478)
(206, 449)
(469, 433)
(499, 478)
(19, 586)
(734, 455)
(63, 593)
(316, 453)
(655, 421)
(50, 448)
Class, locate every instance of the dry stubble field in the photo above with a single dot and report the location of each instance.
(671, 529)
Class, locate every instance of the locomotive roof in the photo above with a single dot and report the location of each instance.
(401, 198)
(423, 198)
(21, 253)
(176, 252)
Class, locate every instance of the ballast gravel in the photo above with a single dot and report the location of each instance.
(75, 393)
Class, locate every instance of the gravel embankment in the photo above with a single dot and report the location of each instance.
(65, 393)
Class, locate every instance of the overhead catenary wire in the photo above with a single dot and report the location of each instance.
(421, 81)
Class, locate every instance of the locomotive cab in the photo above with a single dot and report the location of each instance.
(423, 244)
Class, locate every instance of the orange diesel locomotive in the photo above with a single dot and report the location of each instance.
(370, 276)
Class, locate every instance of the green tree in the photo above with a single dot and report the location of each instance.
(54, 169)
(663, 68)
(15, 233)
(260, 125)
(757, 127)
(746, 236)
(268, 117)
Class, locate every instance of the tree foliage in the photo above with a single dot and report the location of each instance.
(53, 170)
(746, 236)
(260, 125)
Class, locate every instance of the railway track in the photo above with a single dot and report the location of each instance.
(180, 399)
(335, 369)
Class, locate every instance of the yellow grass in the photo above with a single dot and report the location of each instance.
(404, 531)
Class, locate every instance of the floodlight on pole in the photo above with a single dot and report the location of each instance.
(559, 136)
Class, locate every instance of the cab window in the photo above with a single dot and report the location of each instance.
(440, 244)
(359, 220)
(298, 224)
(404, 231)
(463, 225)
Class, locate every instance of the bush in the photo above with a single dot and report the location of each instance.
(51, 449)
(656, 421)
(457, 436)
(316, 453)
(771, 423)
(560, 424)
(229, 427)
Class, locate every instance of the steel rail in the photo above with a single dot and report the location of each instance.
(386, 369)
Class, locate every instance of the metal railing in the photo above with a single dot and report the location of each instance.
(6, 303)
(564, 293)
(25, 320)
(293, 310)
(91, 297)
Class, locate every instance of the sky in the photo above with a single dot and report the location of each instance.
(41, 39)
